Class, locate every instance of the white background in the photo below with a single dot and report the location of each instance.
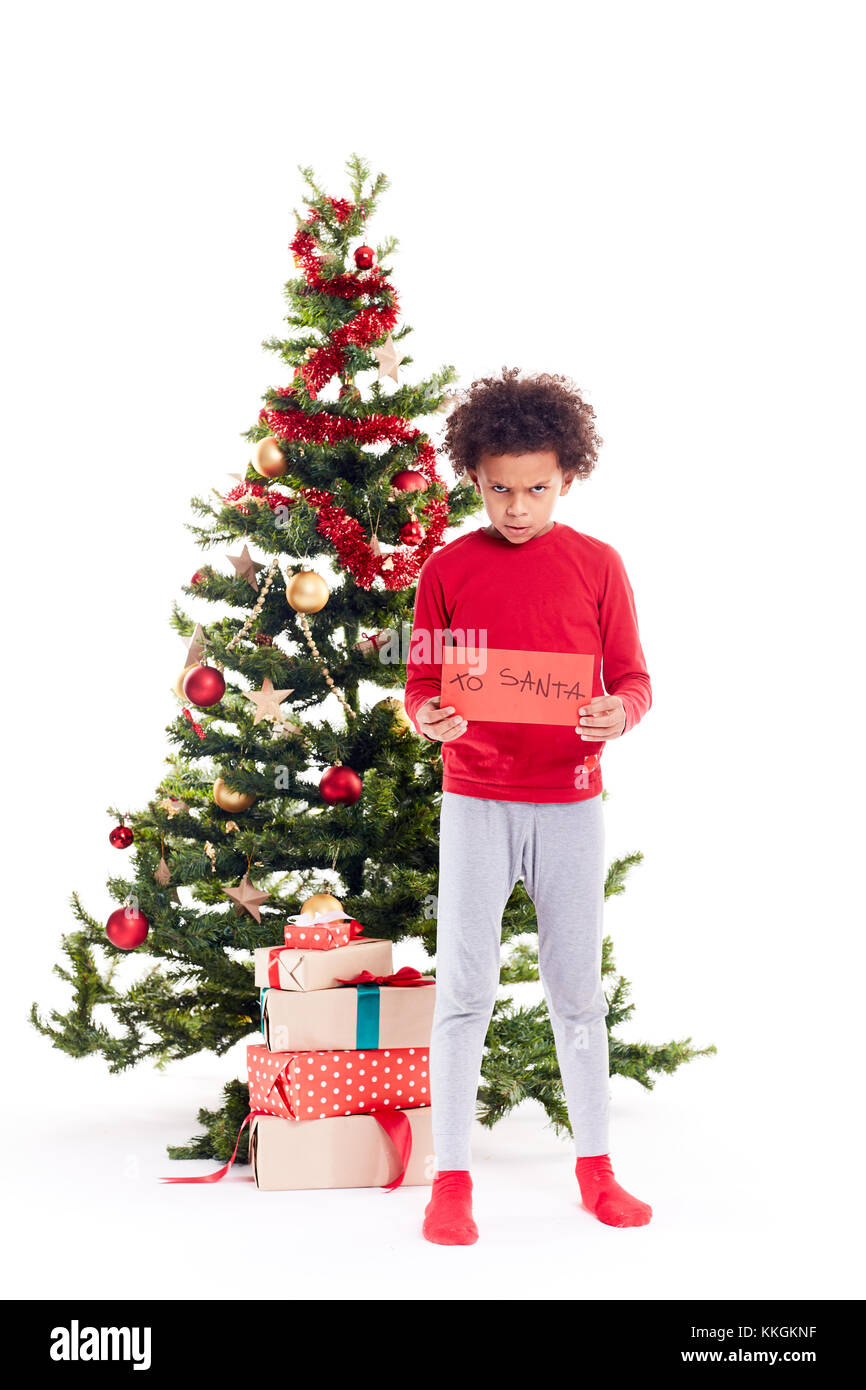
(661, 202)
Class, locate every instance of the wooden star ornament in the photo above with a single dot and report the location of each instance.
(388, 358)
(247, 567)
(247, 898)
(267, 701)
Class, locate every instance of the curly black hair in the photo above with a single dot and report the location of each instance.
(514, 415)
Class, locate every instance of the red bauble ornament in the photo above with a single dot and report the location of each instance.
(204, 685)
(195, 579)
(121, 836)
(364, 257)
(412, 533)
(409, 480)
(127, 928)
(340, 786)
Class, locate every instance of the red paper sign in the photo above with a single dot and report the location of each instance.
(515, 687)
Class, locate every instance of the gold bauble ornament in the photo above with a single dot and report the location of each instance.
(322, 902)
(178, 685)
(269, 459)
(398, 710)
(229, 800)
(307, 592)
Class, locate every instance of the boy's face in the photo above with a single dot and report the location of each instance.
(520, 492)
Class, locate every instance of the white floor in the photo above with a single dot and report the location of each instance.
(741, 1202)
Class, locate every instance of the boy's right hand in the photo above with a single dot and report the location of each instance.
(440, 723)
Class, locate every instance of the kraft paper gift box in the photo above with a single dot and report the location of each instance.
(354, 1016)
(285, 967)
(349, 1151)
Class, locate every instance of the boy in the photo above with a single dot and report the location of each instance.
(523, 800)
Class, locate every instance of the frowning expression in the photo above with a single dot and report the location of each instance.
(520, 492)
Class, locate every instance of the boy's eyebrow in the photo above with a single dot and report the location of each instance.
(494, 482)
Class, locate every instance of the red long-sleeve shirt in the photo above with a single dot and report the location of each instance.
(558, 592)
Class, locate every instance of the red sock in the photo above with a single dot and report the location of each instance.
(603, 1196)
(448, 1214)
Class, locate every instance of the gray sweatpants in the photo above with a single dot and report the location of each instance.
(557, 848)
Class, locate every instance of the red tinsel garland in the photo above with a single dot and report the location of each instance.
(355, 553)
(367, 325)
(400, 568)
(273, 498)
(323, 428)
(342, 207)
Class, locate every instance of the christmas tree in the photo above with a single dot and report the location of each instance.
(292, 775)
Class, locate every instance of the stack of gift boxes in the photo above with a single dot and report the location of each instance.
(340, 1085)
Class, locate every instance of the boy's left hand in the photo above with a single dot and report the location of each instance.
(601, 718)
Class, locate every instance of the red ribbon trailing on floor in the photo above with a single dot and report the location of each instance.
(404, 978)
(393, 1123)
(220, 1172)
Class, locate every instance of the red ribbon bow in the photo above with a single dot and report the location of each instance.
(355, 928)
(404, 978)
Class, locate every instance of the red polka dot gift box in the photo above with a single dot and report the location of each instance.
(324, 1085)
(321, 931)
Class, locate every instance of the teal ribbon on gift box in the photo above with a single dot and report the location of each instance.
(262, 1009)
(366, 1018)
